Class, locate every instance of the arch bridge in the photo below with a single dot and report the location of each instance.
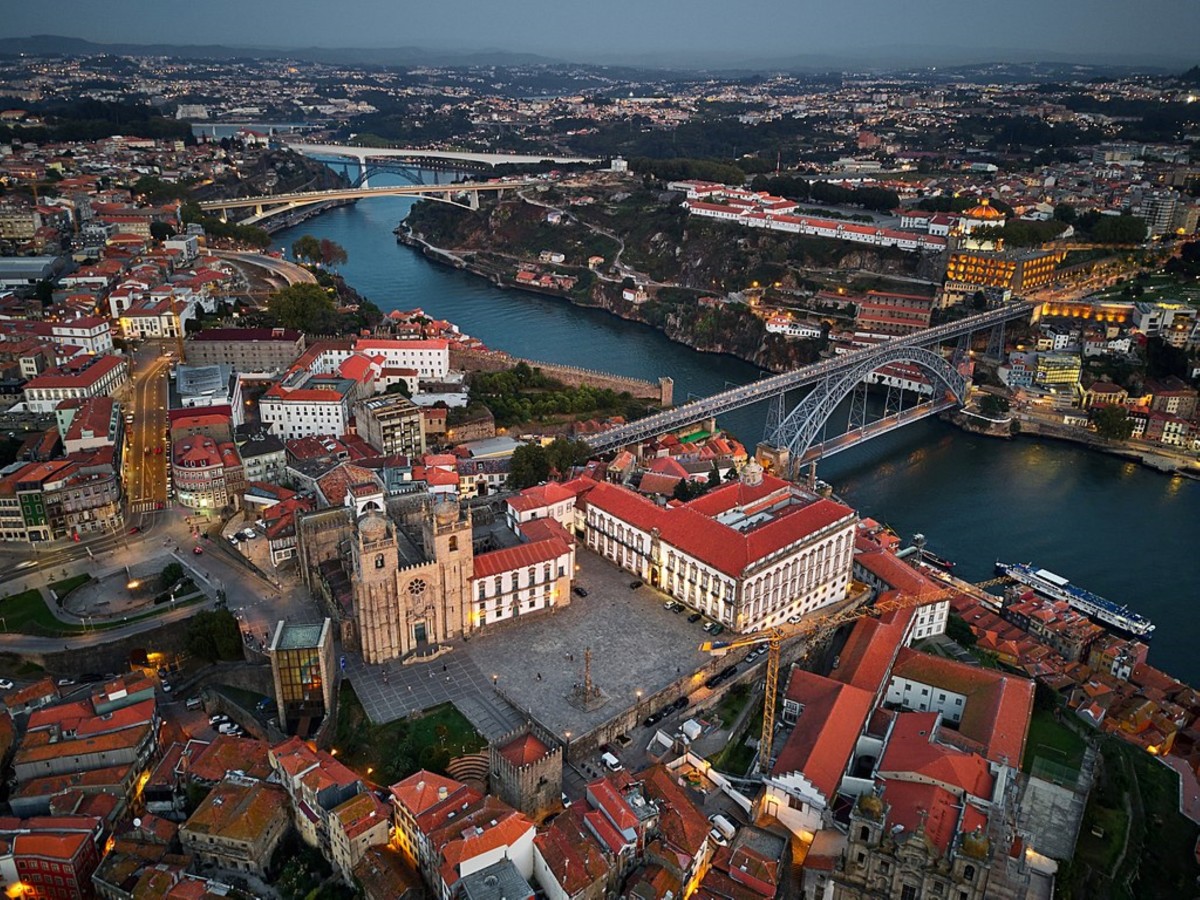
(800, 429)
(265, 206)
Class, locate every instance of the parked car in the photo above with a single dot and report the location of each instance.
(681, 703)
(634, 585)
(651, 720)
(5, 684)
(166, 686)
(134, 530)
(579, 591)
(197, 550)
(217, 718)
(226, 727)
(66, 682)
(566, 801)
(194, 703)
(716, 629)
(671, 605)
(695, 617)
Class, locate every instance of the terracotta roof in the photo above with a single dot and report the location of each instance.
(521, 556)
(361, 813)
(997, 706)
(421, 791)
(524, 749)
(915, 805)
(238, 811)
(912, 751)
(571, 853)
(692, 528)
(540, 496)
(680, 821)
(824, 737)
(869, 652)
(210, 762)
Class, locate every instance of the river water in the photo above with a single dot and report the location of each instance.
(1115, 528)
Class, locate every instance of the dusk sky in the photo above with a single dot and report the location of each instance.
(1147, 31)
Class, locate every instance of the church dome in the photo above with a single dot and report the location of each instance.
(870, 805)
(752, 473)
(984, 211)
(976, 844)
(373, 527)
(446, 512)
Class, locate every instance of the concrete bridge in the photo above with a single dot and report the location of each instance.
(799, 430)
(362, 155)
(265, 206)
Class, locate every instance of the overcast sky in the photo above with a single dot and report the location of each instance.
(1142, 30)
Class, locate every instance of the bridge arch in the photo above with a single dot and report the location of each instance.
(799, 429)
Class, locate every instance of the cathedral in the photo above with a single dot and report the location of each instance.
(407, 598)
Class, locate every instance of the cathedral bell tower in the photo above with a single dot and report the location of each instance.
(376, 559)
(447, 538)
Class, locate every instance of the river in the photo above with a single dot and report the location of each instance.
(1113, 527)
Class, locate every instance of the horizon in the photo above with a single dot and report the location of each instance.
(671, 34)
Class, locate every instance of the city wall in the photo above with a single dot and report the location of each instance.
(572, 376)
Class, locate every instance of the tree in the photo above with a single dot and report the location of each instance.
(959, 631)
(160, 231)
(332, 254)
(1119, 230)
(530, 465)
(563, 455)
(1065, 212)
(44, 291)
(993, 405)
(687, 490)
(172, 574)
(213, 634)
(307, 249)
(304, 307)
(1113, 422)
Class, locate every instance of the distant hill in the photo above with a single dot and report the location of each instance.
(58, 45)
(964, 61)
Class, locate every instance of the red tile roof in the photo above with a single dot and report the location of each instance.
(869, 652)
(524, 750)
(519, 557)
(825, 734)
(997, 707)
(911, 750)
(913, 805)
(692, 528)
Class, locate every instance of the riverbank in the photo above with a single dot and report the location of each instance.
(621, 310)
(1163, 462)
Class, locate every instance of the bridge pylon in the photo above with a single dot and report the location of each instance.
(995, 347)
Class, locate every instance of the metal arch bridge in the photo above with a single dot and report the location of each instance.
(836, 377)
(272, 204)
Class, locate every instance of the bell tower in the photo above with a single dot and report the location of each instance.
(447, 538)
(376, 559)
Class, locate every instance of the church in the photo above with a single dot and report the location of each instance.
(408, 595)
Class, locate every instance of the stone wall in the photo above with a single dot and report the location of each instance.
(495, 360)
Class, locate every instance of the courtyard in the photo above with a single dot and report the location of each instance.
(535, 665)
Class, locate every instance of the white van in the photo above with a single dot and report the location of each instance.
(611, 762)
(723, 825)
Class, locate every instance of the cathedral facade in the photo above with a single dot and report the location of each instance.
(403, 607)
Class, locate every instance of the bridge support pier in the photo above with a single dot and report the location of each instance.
(258, 210)
(363, 180)
(995, 347)
(776, 460)
(473, 199)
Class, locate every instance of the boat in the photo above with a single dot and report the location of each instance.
(940, 561)
(1095, 607)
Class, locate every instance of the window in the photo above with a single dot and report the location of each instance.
(453, 543)
(908, 892)
(379, 561)
(969, 872)
(864, 833)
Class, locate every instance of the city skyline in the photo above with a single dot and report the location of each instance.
(669, 33)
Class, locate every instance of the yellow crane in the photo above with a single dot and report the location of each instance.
(775, 637)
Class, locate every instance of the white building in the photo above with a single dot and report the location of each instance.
(82, 377)
(749, 555)
(303, 405)
(789, 327)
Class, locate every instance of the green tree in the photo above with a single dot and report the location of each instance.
(563, 455)
(160, 231)
(1112, 422)
(993, 405)
(44, 291)
(959, 631)
(687, 490)
(307, 249)
(1065, 212)
(1119, 230)
(530, 465)
(304, 307)
(213, 634)
(171, 574)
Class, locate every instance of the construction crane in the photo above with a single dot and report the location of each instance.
(777, 635)
(178, 328)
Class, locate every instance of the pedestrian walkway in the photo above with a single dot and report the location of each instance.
(392, 691)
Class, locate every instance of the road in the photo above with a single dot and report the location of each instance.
(288, 271)
(147, 451)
